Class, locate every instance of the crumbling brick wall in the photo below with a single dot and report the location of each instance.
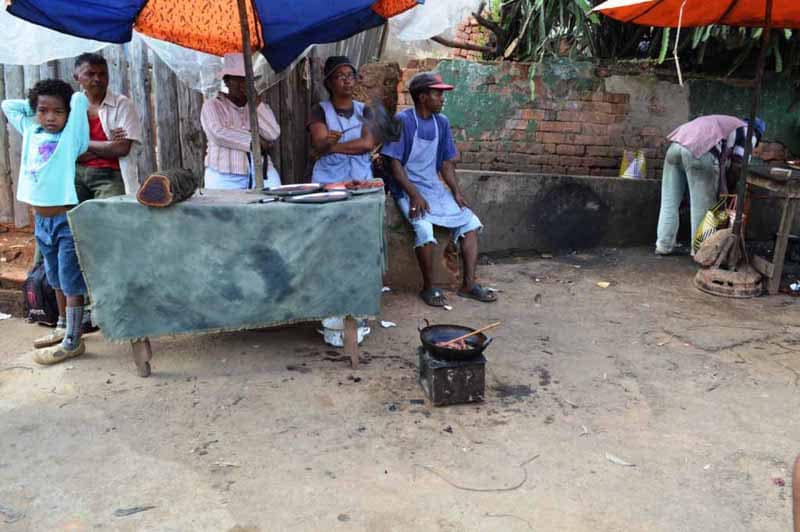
(561, 117)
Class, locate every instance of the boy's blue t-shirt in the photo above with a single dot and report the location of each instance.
(47, 169)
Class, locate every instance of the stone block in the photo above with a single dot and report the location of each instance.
(570, 149)
(403, 271)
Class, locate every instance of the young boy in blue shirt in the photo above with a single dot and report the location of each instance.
(55, 131)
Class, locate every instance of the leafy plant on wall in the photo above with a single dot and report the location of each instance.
(530, 30)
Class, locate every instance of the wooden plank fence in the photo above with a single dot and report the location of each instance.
(170, 111)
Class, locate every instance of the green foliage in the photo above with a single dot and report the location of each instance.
(534, 29)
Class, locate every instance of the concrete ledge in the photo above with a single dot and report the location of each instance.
(556, 212)
(403, 272)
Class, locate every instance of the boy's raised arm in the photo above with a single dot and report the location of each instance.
(78, 121)
(19, 114)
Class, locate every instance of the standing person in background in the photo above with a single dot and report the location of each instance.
(107, 168)
(226, 123)
(55, 132)
(341, 144)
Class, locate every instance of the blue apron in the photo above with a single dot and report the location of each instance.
(337, 167)
(422, 173)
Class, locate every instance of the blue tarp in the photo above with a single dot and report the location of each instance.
(288, 26)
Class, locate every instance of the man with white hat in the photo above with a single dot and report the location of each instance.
(226, 122)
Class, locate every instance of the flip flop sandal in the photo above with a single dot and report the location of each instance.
(433, 297)
(479, 293)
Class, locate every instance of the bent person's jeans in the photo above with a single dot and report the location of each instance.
(682, 169)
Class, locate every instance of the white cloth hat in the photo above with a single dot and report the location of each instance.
(232, 65)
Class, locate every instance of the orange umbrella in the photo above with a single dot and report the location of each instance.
(765, 14)
(664, 13)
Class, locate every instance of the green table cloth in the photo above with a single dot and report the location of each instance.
(220, 262)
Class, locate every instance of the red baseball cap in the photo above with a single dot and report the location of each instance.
(428, 80)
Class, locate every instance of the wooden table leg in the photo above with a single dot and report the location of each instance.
(142, 353)
(789, 209)
(351, 340)
(796, 494)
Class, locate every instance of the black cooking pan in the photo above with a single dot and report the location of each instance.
(431, 334)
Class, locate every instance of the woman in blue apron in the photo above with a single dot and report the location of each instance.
(427, 191)
(340, 141)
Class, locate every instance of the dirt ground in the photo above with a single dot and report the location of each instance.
(271, 430)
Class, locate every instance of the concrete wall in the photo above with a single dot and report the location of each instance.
(533, 212)
(546, 213)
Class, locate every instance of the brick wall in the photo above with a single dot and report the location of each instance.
(569, 132)
(469, 31)
(580, 120)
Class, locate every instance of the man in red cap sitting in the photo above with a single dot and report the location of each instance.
(426, 190)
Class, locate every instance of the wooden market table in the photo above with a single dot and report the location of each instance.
(788, 189)
(221, 261)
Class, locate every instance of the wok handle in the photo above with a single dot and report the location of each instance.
(487, 342)
(419, 324)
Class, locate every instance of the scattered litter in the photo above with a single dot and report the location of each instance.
(570, 403)
(712, 387)
(618, 461)
(546, 256)
(490, 289)
(794, 287)
(660, 344)
(585, 431)
(386, 289)
(203, 449)
(392, 407)
(125, 512)
(4, 316)
(354, 379)
(69, 368)
(299, 369)
(343, 518)
(537, 299)
(388, 324)
(707, 467)
(417, 401)
(448, 307)
(225, 465)
(448, 429)
(603, 284)
(484, 490)
(779, 482)
(10, 515)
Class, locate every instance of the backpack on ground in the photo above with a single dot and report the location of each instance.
(39, 298)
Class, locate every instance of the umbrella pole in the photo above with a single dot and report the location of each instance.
(741, 189)
(255, 142)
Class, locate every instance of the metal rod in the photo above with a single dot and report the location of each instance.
(252, 104)
(741, 189)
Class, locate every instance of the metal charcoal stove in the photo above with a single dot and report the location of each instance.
(452, 382)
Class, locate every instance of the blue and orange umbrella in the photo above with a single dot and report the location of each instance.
(280, 29)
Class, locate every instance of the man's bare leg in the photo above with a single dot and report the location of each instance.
(425, 260)
(469, 257)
